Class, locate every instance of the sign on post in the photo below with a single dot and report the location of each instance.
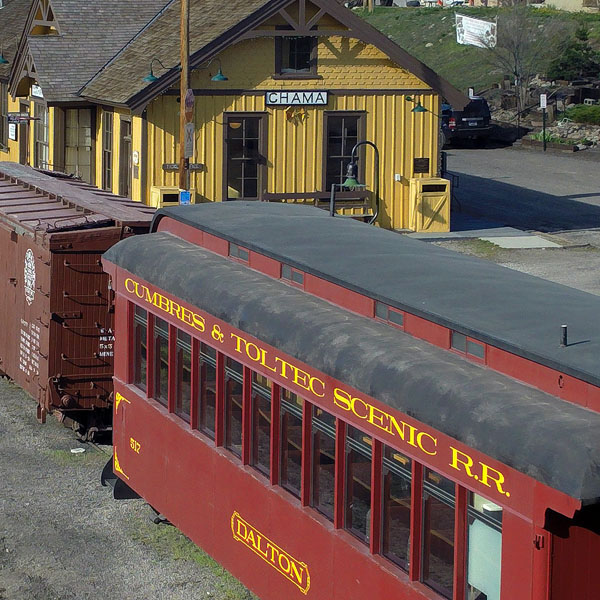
(188, 150)
(189, 105)
(543, 101)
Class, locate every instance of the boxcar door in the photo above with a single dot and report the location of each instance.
(245, 162)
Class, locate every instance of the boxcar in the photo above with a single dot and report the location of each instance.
(336, 411)
(56, 339)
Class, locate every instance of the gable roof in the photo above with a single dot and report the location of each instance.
(215, 25)
(90, 33)
(12, 20)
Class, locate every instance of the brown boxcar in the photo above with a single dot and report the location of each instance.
(57, 332)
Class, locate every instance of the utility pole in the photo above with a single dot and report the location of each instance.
(185, 115)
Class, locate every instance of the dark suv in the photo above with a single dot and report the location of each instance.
(471, 123)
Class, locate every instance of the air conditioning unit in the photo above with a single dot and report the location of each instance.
(167, 196)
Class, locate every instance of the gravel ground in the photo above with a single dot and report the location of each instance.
(63, 537)
(575, 266)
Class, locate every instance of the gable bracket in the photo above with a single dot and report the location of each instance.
(289, 19)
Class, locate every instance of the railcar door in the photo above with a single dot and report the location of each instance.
(575, 565)
(245, 162)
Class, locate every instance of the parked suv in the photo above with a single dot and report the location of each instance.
(473, 122)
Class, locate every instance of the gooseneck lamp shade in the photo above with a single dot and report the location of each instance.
(151, 77)
(419, 108)
(351, 175)
(219, 76)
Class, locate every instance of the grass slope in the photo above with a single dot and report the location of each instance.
(463, 66)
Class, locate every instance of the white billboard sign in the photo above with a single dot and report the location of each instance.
(475, 32)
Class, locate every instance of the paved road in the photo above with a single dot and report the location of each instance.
(555, 193)
(529, 189)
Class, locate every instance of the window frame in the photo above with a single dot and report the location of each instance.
(3, 116)
(282, 72)
(107, 149)
(41, 146)
(361, 116)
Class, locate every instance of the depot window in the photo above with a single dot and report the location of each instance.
(140, 350)
(295, 56)
(3, 116)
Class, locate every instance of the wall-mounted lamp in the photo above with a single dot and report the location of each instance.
(3, 59)
(219, 75)
(151, 77)
(418, 108)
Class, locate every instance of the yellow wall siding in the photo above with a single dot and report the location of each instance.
(295, 150)
(295, 159)
(13, 146)
(343, 63)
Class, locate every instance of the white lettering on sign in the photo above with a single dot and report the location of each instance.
(29, 349)
(29, 277)
(291, 98)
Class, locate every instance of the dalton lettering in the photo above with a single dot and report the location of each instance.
(294, 570)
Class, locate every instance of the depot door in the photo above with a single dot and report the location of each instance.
(245, 152)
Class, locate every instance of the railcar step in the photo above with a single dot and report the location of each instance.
(121, 491)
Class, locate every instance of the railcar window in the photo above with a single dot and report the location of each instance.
(140, 350)
(260, 456)
(484, 548)
(161, 361)
(475, 349)
(183, 392)
(438, 533)
(389, 314)
(396, 505)
(233, 406)
(292, 274)
(207, 390)
(291, 442)
(323, 463)
(459, 341)
(358, 465)
(238, 252)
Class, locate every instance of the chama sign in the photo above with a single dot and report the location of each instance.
(291, 98)
(270, 552)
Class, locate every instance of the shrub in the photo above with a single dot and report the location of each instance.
(585, 114)
(577, 59)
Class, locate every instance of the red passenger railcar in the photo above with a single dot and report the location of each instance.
(336, 411)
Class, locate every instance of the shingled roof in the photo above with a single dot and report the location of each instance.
(90, 33)
(214, 25)
(12, 20)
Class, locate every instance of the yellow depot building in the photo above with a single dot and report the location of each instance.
(282, 93)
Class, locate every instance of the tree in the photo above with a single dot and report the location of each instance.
(577, 59)
(525, 47)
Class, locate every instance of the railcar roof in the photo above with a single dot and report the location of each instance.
(497, 305)
(41, 202)
(486, 410)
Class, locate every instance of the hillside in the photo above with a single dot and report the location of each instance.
(429, 34)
